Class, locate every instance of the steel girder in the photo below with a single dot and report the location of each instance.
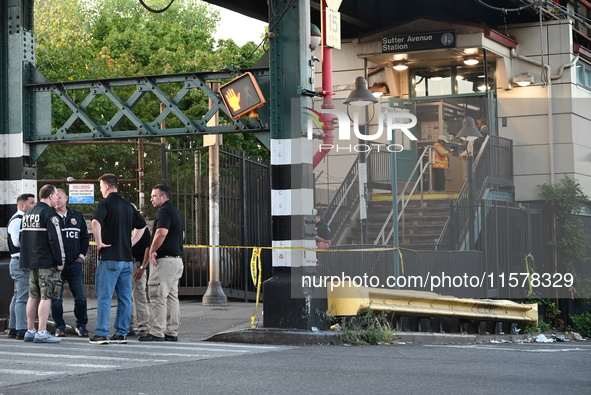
(125, 99)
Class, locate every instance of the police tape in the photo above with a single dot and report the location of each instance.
(256, 271)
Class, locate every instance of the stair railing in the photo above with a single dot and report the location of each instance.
(404, 197)
(493, 166)
(343, 204)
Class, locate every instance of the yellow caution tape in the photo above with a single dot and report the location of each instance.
(526, 259)
(401, 261)
(256, 273)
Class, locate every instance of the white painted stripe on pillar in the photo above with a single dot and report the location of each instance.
(291, 202)
(10, 190)
(295, 257)
(291, 151)
(4, 239)
(12, 146)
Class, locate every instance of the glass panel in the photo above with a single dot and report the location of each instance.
(452, 80)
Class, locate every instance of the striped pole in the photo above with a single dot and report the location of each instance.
(286, 303)
(17, 53)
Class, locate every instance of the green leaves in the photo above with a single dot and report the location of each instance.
(570, 239)
(566, 197)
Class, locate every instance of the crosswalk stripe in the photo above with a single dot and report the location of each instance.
(28, 372)
(65, 356)
(91, 366)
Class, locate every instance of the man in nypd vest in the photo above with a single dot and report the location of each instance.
(17, 326)
(42, 251)
(75, 235)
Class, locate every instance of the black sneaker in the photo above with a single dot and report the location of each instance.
(98, 340)
(150, 338)
(118, 339)
(12, 333)
(169, 338)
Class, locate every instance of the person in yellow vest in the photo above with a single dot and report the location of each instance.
(441, 163)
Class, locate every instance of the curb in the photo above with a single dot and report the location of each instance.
(277, 336)
(303, 337)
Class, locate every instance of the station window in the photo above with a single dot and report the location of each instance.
(451, 80)
(584, 74)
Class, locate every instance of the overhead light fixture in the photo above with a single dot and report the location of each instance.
(360, 96)
(524, 79)
(470, 61)
(315, 37)
(378, 89)
(459, 77)
(469, 131)
(400, 66)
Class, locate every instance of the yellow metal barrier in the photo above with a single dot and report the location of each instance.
(347, 300)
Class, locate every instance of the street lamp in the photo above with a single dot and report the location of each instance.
(470, 133)
(362, 97)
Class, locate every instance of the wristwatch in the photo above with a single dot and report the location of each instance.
(143, 268)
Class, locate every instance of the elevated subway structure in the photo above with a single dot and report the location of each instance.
(291, 79)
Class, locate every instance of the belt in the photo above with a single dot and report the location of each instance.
(170, 256)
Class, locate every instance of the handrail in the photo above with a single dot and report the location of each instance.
(343, 203)
(493, 166)
(462, 199)
(423, 166)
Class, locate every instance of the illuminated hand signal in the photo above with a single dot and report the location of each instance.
(233, 99)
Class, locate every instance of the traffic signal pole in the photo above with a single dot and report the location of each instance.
(288, 303)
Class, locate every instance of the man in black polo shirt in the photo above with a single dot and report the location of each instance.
(112, 223)
(167, 267)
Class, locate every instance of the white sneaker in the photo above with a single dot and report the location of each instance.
(46, 338)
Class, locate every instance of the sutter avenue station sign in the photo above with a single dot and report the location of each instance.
(419, 41)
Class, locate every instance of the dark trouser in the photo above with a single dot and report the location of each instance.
(438, 179)
(73, 274)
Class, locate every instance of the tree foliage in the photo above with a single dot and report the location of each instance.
(570, 238)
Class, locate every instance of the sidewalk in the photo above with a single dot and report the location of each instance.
(198, 322)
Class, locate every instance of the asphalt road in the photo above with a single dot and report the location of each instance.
(76, 366)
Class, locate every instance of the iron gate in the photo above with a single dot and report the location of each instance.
(245, 216)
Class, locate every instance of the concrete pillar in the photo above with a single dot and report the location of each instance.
(17, 55)
(288, 304)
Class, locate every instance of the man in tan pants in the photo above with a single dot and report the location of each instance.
(166, 253)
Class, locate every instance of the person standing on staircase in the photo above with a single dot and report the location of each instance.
(323, 234)
(441, 163)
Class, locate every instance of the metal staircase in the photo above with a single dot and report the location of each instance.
(426, 220)
(492, 171)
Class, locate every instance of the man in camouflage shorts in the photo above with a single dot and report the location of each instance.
(42, 251)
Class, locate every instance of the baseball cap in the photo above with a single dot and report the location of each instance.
(442, 137)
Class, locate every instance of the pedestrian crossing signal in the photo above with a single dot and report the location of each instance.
(242, 95)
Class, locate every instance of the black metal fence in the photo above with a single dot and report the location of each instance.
(443, 272)
(244, 211)
(245, 202)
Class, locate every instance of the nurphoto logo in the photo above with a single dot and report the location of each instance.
(388, 119)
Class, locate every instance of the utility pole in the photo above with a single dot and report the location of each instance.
(214, 295)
